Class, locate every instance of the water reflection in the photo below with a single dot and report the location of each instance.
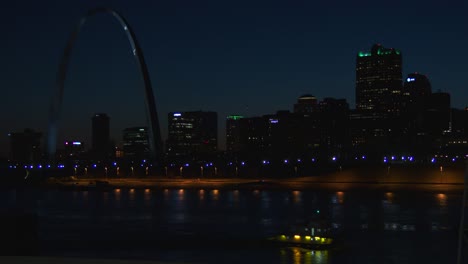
(261, 213)
(105, 198)
(236, 196)
(256, 193)
(181, 195)
(297, 195)
(147, 197)
(215, 195)
(442, 199)
(266, 201)
(117, 194)
(201, 195)
(337, 198)
(439, 215)
(391, 212)
(301, 255)
(389, 197)
(85, 196)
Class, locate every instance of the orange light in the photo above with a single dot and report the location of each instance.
(147, 190)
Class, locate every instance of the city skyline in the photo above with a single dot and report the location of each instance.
(227, 67)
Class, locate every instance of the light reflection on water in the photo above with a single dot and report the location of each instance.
(301, 255)
(249, 214)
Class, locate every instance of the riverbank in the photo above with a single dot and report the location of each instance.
(356, 179)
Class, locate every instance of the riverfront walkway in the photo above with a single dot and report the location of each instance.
(425, 180)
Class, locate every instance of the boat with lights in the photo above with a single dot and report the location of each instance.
(315, 235)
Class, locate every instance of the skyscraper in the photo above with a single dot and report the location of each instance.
(417, 85)
(192, 133)
(100, 136)
(306, 104)
(233, 133)
(25, 146)
(135, 143)
(379, 80)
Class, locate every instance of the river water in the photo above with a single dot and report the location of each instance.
(214, 226)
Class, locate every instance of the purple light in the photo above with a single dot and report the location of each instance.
(177, 114)
(313, 160)
(333, 158)
(40, 166)
(433, 160)
(186, 164)
(115, 163)
(363, 157)
(299, 160)
(76, 143)
(242, 163)
(94, 166)
(285, 161)
(31, 166)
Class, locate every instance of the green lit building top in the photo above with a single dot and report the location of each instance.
(379, 79)
(235, 117)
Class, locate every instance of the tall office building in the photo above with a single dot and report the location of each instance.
(73, 148)
(25, 146)
(306, 104)
(233, 133)
(379, 80)
(100, 136)
(135, 143)
(192, 133)
(416, 86)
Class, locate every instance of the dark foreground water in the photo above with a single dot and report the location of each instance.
(218, 226)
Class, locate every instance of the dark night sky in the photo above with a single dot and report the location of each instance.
(243, 57)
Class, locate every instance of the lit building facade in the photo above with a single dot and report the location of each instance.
(192, 134)
(379, 80)
(306, 104)
(73, 148)
(101, 145)
(136, 143)
(233, 143)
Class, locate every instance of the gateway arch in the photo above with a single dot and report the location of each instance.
(154, 134)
